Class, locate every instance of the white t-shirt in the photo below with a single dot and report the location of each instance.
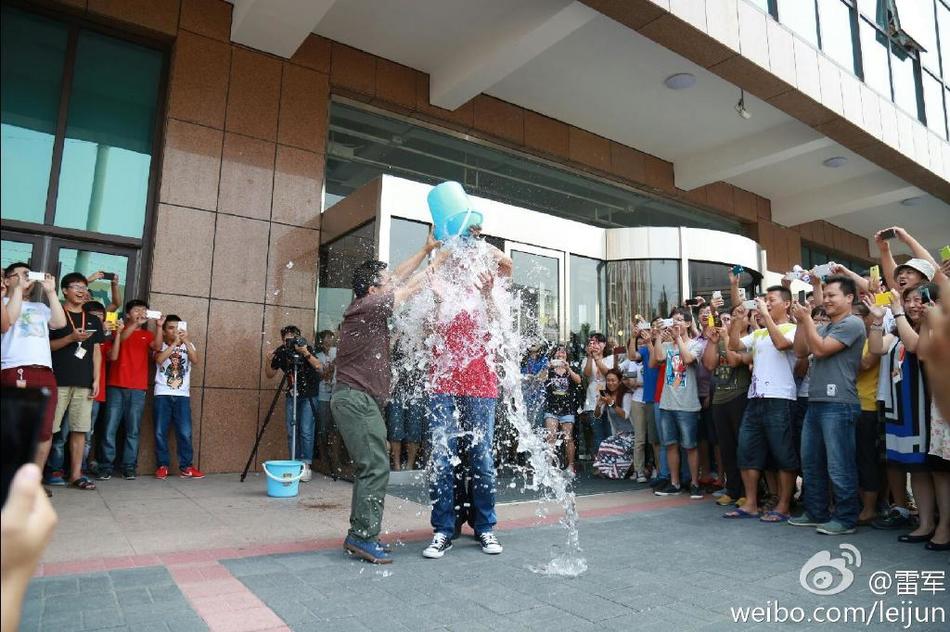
(633, 368)
(597, 382)
(326, 386)
(773, 371)
(173, 376)
(27, 341)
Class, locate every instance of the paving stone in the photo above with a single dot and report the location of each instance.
(133, 595)
(148, 576)
(60, 586)
(102, 618)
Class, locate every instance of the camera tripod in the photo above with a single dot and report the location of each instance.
(296, 361)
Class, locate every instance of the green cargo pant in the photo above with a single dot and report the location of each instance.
(361, 425)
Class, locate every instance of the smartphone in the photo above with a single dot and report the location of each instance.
(667, 323)
(925, 295)
(710, 320)
(182, 325)
(22, 410)
(883, 299)
(692, 302)
(737, 270)
(945, 253)
(741, 293)
(888, 234)
(108, 276)
(801, 297)
(35, 276)
(112, 317)
(874, 272)
(750, 305)
(153, 314)
(717, 295)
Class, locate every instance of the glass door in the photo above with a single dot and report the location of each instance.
(539, 278)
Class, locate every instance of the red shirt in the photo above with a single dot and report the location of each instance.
(105, 348)
(661, 367)
(131, 369)
(462, 367)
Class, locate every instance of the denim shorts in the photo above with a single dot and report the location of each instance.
(766, 435)
(679, 427)
(561, 419)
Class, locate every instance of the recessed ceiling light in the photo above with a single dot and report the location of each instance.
(913, 201)
(680, 81)
(834, 162)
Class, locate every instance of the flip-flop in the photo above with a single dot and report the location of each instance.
(739, 514)
(774, 517)
(83, 483)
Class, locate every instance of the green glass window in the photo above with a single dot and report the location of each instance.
(104, 177)
(12, 251)
(34, 50)
(87, 262)
(588, 285)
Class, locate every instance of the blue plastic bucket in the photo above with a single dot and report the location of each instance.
(451, 213)
(283, 478)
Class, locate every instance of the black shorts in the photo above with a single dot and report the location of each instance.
(867, 451)
(766, 436)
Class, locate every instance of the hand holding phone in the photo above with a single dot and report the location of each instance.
(153, 314)
(889, 233)
(35, 276)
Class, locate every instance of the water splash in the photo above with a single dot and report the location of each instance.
(418, 329)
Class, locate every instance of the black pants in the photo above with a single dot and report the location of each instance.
(727, 417)
(867, 451)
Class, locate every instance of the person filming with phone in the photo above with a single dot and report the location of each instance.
(26, 357)
(296, 353)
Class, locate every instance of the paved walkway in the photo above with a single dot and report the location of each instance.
(215, 554)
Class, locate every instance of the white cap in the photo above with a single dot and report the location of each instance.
(921, 265)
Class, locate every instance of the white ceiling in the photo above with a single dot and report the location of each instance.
(603, 77)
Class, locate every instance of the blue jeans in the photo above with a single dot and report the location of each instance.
(679, 427)
(123, 406)
(305, 426)
(475, 427)
(663, 465)
(177, 410)
(828, 453)
(600, 430)
(405, 418)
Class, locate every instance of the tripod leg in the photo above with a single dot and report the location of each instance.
(260, 433)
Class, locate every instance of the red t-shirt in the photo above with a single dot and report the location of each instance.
(105, 348)
(661, 367)
(461, 363)
(131, 369)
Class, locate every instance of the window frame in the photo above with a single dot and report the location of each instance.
(141, 247)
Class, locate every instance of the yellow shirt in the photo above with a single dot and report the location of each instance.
(867, 384)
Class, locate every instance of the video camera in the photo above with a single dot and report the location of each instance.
(295, 341)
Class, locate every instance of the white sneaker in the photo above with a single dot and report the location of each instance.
(440, 544)
(307, 473)
(489, 543)
(641, 478)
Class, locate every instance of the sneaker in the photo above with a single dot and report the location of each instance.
(103, 475)
(895, 519)
(161, 473)
(370, 550)
(833, 527)
(437, 548)
(191, 472)
(641, 477)
(489, 543)
(307, 473)
(668, 490)
(55, 479)
(129, 475)
(719, 493)
(695, 492)
(659, 483)
(803, 520)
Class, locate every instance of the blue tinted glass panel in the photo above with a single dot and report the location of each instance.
(799, 16)
(108, 150)
(874, 53)
(34, 50)
(905, 85)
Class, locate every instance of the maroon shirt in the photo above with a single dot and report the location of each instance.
(362, 357)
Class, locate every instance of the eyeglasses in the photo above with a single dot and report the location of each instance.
(77, 288)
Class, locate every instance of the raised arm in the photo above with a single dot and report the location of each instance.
(404, 270)
(888, 265)
(778, 338)
(905, 331)
(57, 318)
(919, 251)
(859, 280)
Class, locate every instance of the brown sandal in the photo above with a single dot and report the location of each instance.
(83, 483)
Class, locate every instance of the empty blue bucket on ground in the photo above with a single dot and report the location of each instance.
(451, 212)
(283, 478)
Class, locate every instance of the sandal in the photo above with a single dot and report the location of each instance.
(740, 514)
(83, 483)
(774, 517)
